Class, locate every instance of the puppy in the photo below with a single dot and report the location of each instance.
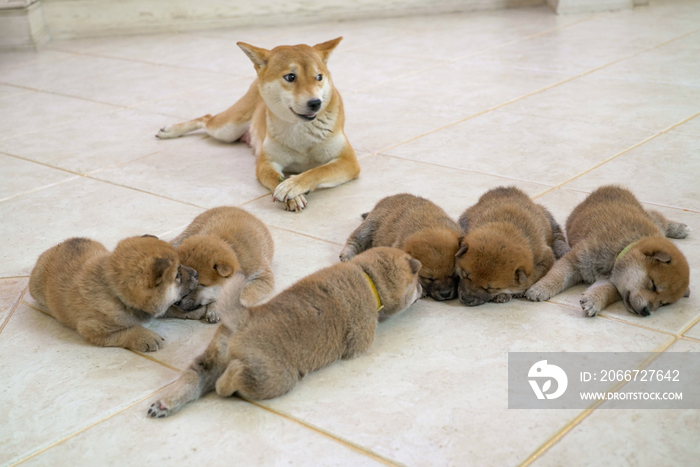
(421, 229)
(292, 117)
(619, 248)
(217, 244)
(262, 352)
(510, 244)
(107, 296)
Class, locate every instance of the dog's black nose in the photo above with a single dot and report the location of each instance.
(645, 311)
(314, 104)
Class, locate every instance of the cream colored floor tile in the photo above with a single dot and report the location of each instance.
(381, 176)
(177, 50)
(631, 437)
(8, 91)
(20, 176)
(693, 332)
(691, 127)
(116, 82)
(662, 171)
(80, 208)
(17, 58)
(432, 390)
(674, 63)
(205, 173)
(11, 291)
(671, 319)
(55, 383)
(542, 150)
(296, 256)
(28, 112)
(215, 431)
(91, 144)
(652, 106)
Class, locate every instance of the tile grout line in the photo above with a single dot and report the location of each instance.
(583, 415)
(687, 338)
(14, 308)
(305, 235)
(81, 430)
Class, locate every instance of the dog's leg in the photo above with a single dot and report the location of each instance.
(261, 380)
(564, 274)
(270, 175)
(198, 380)
(179, 129)
(340, 170)
(669, 228)
(559, 244)
(258, 288)
(135, 338)
(598, 296)
(359, 241)
(175, 312)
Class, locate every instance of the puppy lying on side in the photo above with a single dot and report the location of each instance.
(217, 244)
(510, 244)
(420, 228)
(262, 352)
(106, 296)
(619, 248)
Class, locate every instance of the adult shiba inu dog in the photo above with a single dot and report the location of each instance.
(217, 244)
(107, 296)
(262, 352)
(620, 248)
(292, 117)
(510, 244)
(420, 228)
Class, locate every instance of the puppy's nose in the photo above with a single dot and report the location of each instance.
(645, 311)
(314, 104)
(444, 294)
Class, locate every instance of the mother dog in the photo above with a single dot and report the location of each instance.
(292, 117)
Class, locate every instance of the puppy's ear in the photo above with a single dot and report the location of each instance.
(325, 48)
(149, 235)
(687, 293)
(521, 275)
(223, 269)
(415, 265)
(257, 55)
(659, 255)
(463, 247)
(159, 267)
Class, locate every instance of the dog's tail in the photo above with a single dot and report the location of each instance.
(232, 313)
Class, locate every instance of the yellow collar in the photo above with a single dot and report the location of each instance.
(374, 291)
(626, 249)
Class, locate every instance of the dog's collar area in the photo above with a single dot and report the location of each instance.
(625, 250)
(374, 291)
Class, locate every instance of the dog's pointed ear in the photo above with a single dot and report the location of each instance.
(687, 293)
(223, 269)
(159, 267)
(415, 265)
(325, 48)
(659, 256)
(521, 275)
(257, 55)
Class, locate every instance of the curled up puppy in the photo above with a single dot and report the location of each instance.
(263, 351)
(510, 243)
(619, 248)
(420, 228)
(217, 244)
(107, 296)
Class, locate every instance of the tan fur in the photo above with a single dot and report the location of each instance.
(651, 273)
(262, 352)
(420, 228)
(280, 120)
(219, 243)
(508, 246)
(106, 296)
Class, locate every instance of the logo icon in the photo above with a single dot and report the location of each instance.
(542, 370)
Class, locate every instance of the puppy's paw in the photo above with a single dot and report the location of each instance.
(589, 306)
(502, 298)
(296, 204)
(677, 230)
(289, 189)
(167, 132)
(538, 293)
(160, 409)
(211, 316)
(145, 340)
(348, 253)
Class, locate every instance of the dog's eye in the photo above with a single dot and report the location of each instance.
(290, 77)
(319, 77)
(653, 286)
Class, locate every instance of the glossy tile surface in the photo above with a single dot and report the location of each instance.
(446, 107)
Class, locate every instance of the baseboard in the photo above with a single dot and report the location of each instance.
(22, 27)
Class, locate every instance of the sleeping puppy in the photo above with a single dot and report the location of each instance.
(217, 244)
(421, 229)
(262, 352)
(107, 296)
(619, 248)
(510, 244)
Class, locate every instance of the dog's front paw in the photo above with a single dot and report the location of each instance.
(210, 315)
(295, 204)
(145, 340)
(677, 230)
(502, 298)
(348, 253)
(167, 132)
(289, 189)
(538, 293)
(159, 409)
(589, 306)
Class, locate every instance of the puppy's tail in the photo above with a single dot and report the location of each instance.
(232, 313)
